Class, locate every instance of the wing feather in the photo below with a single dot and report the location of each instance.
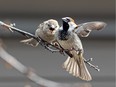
(85, 29)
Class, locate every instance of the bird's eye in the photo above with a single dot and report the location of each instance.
(68, 20)
(49, 25)
(56, 26)
(76, 27)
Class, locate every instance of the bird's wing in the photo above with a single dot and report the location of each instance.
(85, 29)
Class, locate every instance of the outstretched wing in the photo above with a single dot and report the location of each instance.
(85, 29)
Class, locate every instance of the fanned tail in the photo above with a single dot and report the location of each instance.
(77, 67)
(71, 66)
(30, 41)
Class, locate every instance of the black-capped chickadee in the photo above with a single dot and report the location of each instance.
(67, 37)
(45, 31)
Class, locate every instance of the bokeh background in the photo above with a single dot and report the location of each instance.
(28, 14)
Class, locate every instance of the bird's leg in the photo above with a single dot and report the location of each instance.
(50, 49)
(47, 46)
(59, 47)
(69, 54)
(80, 51)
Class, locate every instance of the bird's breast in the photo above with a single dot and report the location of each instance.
(66, 44)
(45, 36)
(72, 42)
(63, 35)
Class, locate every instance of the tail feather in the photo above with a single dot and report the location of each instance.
(77, 67)
(84, 72)
(75, 70)
(68, 66)
(71, 66)
(30, 41)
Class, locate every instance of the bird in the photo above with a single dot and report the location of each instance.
(46, 31)
(68, 38)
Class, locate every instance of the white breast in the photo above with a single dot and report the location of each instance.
(44, 35)
(72, 42)
(66, 44)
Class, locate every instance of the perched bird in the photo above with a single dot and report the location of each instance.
(67, 37)
(45, 31)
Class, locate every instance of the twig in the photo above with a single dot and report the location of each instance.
(91, 65)
(45, 43)
(11, 28)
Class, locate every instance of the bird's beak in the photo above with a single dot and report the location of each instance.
(64, 19)
(52, 28)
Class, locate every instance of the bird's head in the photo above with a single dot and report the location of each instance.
(68, 23)
(51, 26)
(67, 19)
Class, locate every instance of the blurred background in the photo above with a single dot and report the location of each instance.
(28, 14)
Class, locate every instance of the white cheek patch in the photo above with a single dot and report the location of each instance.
(72, 26)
